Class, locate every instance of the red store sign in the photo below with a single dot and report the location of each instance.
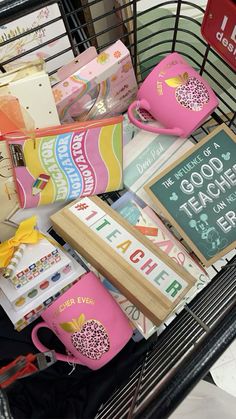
(219, 28)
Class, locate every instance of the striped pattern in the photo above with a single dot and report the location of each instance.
(83, 162)
(17, 256)
(108, 137)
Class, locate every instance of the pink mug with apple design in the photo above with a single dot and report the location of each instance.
(88, 321)
(176, 96)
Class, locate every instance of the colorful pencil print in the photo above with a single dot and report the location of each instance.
(23, 277)
(40, 288)
(40, 183)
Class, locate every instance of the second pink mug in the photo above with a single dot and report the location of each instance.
(88, 321)
(176, 96)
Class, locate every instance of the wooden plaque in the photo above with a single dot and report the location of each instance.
(197, 194)
(142, 272)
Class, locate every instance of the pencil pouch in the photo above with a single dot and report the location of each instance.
(62, 163)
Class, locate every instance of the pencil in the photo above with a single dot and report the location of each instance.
(17, 256)
(147, 231)
(40, 183)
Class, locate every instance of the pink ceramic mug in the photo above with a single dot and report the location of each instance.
(88, 321)
(176, 96)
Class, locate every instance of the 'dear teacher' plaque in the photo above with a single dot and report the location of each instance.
(143, 273)
(197, 194)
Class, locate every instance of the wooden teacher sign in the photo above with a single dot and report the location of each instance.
(143, 273)
(198, 195)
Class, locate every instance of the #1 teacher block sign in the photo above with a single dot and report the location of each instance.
(198, 195)
(143, 273)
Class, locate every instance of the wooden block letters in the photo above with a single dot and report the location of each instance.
(142, 272)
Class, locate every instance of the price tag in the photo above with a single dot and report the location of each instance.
(219, 28)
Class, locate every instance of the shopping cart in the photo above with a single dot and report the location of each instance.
(193, 341)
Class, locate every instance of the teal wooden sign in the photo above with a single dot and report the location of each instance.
(197, 194)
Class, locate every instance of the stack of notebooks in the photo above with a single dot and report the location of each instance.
(41, 276)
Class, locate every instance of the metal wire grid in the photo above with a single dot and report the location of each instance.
(177, 38)
(10, 11)
(197, 319)
(70, 16)
(193, 323)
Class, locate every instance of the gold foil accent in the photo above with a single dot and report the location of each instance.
(178, 80)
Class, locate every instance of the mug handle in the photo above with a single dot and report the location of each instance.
(145, 105)
(42, 348)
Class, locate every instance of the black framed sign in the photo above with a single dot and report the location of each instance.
(197, 193)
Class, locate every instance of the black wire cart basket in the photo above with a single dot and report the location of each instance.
(188, 346)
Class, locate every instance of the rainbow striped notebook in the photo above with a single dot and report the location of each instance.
(66, 162)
